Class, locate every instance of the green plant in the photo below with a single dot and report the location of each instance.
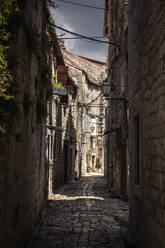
(98, 163)
(51, 20)
(10, 18)
(2, 130)
(59, 85)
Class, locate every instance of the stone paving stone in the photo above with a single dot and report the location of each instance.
(82, 215)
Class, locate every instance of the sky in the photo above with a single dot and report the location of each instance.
(85, 21)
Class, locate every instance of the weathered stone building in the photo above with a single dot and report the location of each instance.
(74, 125)
(25, 86)
(86, 74)
(146, 79)
(116, 142)
(62, 125)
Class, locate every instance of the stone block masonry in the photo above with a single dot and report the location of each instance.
(146, 74)
(22, 148)
(116, 145)
(82, 214)
(86, 74)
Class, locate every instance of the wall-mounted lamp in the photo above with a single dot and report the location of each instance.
(106, 88)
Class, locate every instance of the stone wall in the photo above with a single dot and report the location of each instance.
(115, 30)
(22, 148)
(54, 143)
(86, 74)
(92, 68)
(62, 135)
(69, 120)
(147, 111)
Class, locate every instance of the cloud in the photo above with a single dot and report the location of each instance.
(70, 44)
(86, 21)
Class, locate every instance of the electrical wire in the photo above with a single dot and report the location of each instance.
(82, 5)
(88, 104)
(76, 38)
(85, 37)
(82, 39)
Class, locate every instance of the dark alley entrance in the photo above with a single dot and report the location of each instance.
(82, 214)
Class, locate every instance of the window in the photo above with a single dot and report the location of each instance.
(137, 149)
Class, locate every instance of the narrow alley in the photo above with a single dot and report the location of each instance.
(82, 214)
(82, 124)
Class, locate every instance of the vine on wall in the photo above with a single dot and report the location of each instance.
(11, 18)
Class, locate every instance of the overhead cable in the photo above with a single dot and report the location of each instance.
(87, 104)
(82, 5)
(77, 38)
(85, 37)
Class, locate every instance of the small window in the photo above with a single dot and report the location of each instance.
(137, 149)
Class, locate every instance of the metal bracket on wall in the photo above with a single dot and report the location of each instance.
(55, 128)
(116, 98)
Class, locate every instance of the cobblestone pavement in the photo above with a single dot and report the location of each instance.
(82, 215)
